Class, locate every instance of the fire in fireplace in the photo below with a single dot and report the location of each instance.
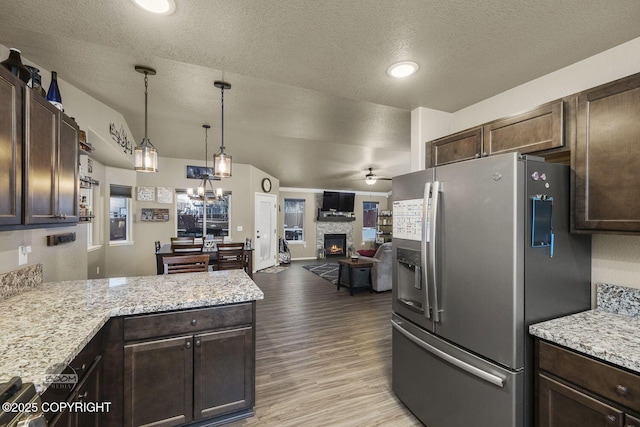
(335, 244)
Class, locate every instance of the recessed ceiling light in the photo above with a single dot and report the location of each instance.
(161, 7)
(402, 69)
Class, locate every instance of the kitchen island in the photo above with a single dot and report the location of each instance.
(47, 328)
(588, 364)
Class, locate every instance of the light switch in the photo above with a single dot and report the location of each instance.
(239, 228)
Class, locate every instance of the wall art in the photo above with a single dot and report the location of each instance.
(164, 194)
(154, 215)
(146, 194)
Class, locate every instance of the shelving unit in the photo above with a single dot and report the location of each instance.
(85, 196)
(384, 231)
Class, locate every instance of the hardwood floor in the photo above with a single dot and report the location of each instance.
(323, 357)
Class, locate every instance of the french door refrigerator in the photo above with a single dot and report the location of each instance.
(481, 249)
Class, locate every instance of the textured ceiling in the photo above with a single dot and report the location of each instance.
(311, 102)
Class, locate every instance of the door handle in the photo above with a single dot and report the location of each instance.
(423, 246)
(484, 375)
(433, 247)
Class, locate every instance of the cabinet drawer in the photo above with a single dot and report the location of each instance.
(607, 381)
(187, 321)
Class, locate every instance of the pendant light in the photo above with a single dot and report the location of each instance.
(145, 154)
(222, 160)
(205, 184)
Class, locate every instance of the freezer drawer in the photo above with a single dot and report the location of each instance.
(445, 386)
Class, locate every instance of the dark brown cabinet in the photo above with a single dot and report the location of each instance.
(207, 371)
(574, 390)
(539, 130)
(51, 158)
(536, 130)
(11, 101)
(461, 146)
(605, 157)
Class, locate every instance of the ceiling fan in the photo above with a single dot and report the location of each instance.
(371, 178)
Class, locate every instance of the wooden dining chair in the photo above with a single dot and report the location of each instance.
(185, 244)
(185, 263)
(230, 256)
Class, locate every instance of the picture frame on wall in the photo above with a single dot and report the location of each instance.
(146, 194)
(198, 172)
(164, 194)
(154, 215)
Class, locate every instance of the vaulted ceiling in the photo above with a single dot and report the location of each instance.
(310, 102)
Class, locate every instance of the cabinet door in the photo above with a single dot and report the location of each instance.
(41, 127)
(158, 382)
(89, 391)
(630, 421)
(11, 99)
(606, 156)
(536, 130)
(455, 148)
(67, 170)
(560, 405)
(223, 372)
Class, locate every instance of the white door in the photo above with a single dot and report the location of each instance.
(265, 250)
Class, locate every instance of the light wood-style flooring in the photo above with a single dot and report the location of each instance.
(323, 357)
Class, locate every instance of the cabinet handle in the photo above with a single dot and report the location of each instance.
(622, 390)
(193, 322)
(198, 342)
(188, 344)
(611, 419)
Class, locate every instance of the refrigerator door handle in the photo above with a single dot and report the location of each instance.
(423, 247)
(484, 375)
(435, 199)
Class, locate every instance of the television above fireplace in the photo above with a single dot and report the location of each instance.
(338, 201)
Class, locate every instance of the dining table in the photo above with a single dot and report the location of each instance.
(167, 250)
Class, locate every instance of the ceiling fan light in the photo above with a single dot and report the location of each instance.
(145, 157)
(370, 180)
(402, 69)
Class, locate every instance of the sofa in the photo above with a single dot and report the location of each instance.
(381, 270)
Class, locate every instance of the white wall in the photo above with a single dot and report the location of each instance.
(615, 258)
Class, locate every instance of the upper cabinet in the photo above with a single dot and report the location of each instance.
(456, 148)
(11, 94)
(539, 130)
(51, 159)
(38, 158)
(605, 157)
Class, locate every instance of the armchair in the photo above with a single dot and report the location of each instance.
(381, 270)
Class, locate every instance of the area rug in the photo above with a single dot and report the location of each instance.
(328, 271)
(274, 269)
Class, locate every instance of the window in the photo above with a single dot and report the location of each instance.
(191, 214)
(120, 214)
(294, 220)
(369, 221)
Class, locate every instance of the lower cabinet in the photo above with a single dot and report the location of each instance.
(197, 375)
(576, 391)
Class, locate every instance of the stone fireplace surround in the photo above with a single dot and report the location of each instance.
(328, 227)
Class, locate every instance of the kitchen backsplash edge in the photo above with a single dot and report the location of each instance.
(618, 299)
(16, 281)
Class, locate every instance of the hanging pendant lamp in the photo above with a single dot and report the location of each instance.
(222, 160)
(145, 155)
(206, 184)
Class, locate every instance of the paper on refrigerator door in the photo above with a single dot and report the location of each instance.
(407, 219)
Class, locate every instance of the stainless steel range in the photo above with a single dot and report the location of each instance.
(21, 405)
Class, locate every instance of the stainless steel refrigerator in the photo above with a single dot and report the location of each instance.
(481, 249)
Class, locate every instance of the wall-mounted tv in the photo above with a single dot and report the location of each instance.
(337, 201)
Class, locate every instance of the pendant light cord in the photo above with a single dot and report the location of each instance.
(146, 85)
(222, 127)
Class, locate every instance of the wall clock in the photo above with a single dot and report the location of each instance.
(266, 185)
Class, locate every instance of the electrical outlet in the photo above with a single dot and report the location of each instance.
(22, 254)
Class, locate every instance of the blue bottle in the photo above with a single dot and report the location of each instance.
(53, 95)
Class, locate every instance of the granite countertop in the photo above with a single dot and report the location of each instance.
(611, 332)
(51, 323)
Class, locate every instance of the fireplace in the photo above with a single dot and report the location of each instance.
(335, 245)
